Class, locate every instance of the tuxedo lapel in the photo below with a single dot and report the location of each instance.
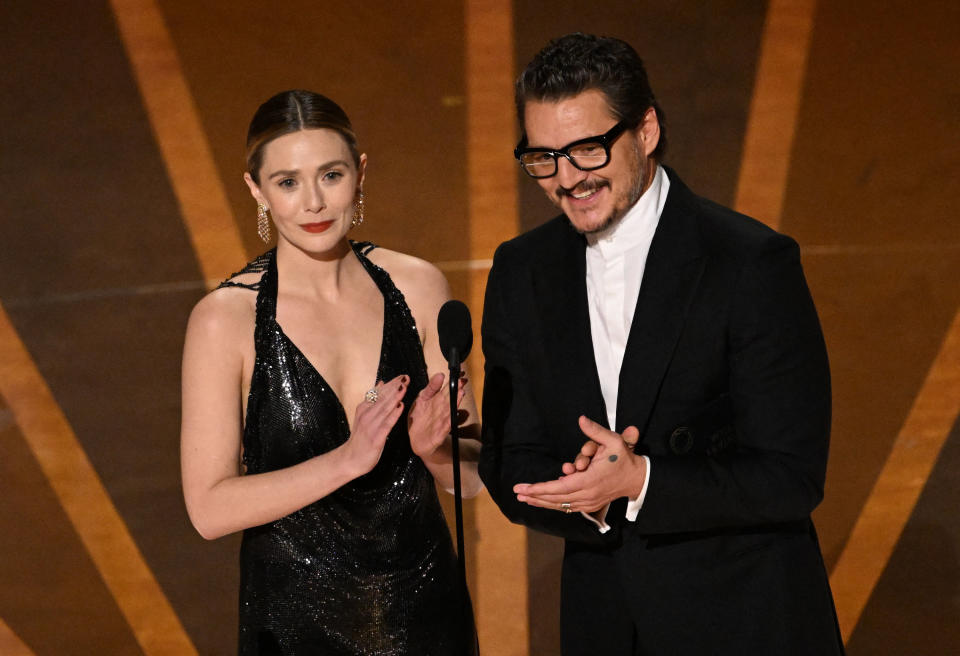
(673, 270)
(560, 283)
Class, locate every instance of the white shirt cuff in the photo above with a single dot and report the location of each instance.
(634, 505)
(598, 518)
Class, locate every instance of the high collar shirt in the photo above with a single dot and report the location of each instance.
(616, 259)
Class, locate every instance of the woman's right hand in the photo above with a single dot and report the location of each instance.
(372, 423)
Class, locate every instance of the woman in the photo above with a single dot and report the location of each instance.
(345, 549)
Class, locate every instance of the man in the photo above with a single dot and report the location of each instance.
(657, 390)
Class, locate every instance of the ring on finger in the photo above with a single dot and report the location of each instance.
(372, 395)
(566, 507)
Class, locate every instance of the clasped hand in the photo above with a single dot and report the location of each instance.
(373, 420)
(605, 469)
(429, 420)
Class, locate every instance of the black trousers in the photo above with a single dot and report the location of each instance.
(595, 617)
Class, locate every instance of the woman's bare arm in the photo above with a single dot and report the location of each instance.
(219, 499)
(425, 289)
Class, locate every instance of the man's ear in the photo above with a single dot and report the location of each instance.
(648, 133)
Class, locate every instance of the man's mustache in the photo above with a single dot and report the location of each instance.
(587, 186)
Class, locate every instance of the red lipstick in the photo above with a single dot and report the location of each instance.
(320, 226)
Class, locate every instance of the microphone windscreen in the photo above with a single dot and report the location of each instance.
(455, 330)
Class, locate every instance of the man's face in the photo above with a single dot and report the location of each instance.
(592, 200)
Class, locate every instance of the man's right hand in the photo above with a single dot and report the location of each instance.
(589, 449)
(613, 472)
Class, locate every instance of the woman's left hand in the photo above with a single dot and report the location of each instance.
(429, 419)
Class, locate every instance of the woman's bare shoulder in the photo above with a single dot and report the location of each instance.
(412, 275)
(225, 312)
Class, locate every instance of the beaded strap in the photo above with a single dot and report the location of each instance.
(363, 247)
(258, 265)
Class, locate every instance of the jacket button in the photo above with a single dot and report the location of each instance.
(681, 440)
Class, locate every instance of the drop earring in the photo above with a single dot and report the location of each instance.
(358, 211)
(263, 223)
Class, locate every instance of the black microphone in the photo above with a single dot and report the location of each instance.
(456, 338)
(455, 332)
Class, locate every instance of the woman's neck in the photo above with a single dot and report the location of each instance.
(319, 274)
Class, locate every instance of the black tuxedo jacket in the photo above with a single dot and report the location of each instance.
(725, 375)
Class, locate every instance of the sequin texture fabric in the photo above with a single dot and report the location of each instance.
(370, 569)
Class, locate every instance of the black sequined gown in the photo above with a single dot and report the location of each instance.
(370, 569)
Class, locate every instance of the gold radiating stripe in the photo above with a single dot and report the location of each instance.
(10, 644)
(771, 129)
(772, 122)
(180, 136)
(500, 592)
(85, 501)
(451, 266)
(880, 524)
(206, 214)
(218, 247)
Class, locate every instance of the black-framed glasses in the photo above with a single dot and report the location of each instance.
(585, 154)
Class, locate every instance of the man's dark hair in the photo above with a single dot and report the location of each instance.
(578, 62)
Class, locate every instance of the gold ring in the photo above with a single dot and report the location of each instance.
(372, 395)
(566, 507)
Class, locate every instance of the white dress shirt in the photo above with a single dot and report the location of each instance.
(616, 259)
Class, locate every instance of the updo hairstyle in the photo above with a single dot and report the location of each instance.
(292, 111)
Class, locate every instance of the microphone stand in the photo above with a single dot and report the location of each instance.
(454, 384)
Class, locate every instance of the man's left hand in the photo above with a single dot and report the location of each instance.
(613, 471)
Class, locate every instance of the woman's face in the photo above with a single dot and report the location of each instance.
(308, 181)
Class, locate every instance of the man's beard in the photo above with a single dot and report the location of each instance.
(588, 186)
(638, 185)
